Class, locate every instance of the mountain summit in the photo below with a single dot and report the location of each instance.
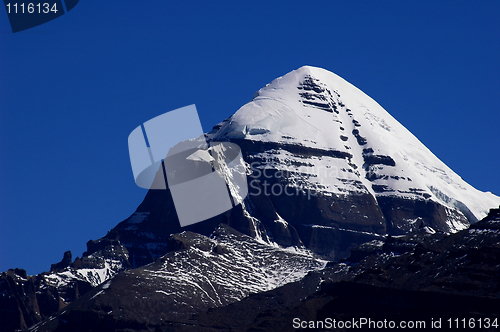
(327, 169)
(372, 153)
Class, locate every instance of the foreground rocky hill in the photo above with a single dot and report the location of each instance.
(418, 277)
(199, 273)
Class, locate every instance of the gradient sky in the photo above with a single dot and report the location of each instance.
(73, 89)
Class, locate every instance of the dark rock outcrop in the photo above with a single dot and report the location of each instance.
(64, 263)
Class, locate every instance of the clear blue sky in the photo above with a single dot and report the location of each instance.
(73, 89)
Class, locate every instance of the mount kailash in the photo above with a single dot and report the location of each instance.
(328, 170)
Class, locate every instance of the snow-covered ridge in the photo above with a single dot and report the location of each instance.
(93, 276)
(228, 267)
(315, 108)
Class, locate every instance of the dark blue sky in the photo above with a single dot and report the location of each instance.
(73, 89)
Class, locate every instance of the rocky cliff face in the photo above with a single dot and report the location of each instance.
(327, 169)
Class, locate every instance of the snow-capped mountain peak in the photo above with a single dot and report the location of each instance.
(328, 170)
(312, 107)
